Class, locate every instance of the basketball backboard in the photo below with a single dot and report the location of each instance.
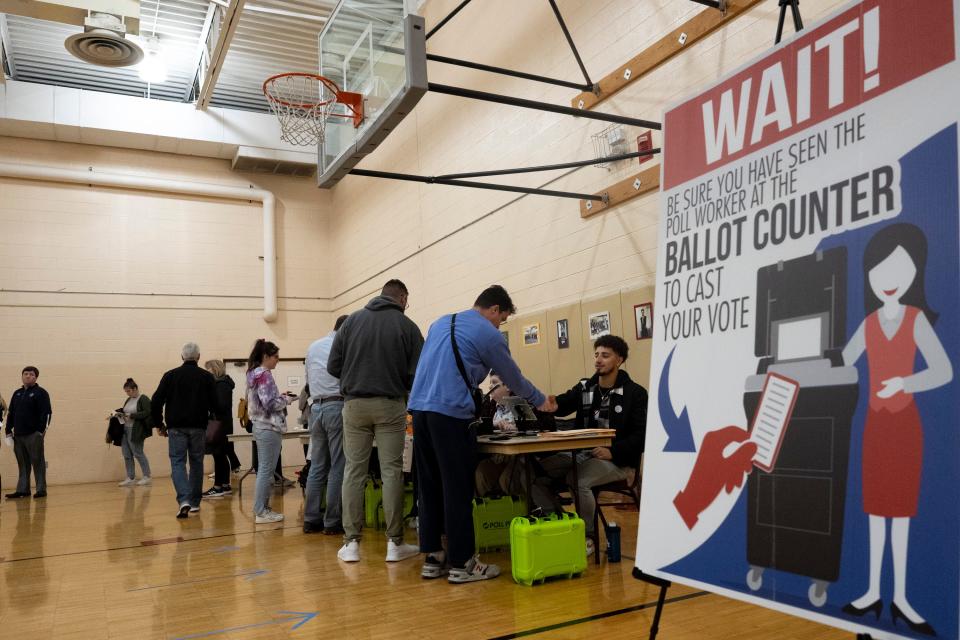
(376, 48)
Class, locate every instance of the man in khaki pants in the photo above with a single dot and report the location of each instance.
(375, 355)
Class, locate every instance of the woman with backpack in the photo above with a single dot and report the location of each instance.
(268, 414)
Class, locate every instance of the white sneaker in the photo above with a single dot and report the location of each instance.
(350, 552)
(144, 481)
(434, 566)
(473, 571)
(590, 547)
(194, 509)
(397, 552)
(268, 517)
(126, 483)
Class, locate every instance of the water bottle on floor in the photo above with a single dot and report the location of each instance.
(613, 542)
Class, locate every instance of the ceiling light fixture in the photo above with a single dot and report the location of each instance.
(153, 68)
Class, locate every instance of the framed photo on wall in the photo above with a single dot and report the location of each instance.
(643, 317)
(599, 324)
(531, 334)
(563, 334)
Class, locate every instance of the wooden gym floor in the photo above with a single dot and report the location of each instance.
(99, 561)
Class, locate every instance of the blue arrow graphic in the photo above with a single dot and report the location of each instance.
(247, 575)
(226, 549)
(303, 616)
(254, 574)
(679, 434)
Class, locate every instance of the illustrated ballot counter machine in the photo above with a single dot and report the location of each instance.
(795, 512)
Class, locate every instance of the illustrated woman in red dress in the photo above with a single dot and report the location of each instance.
(898, 323)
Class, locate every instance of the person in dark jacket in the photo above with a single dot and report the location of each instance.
(28, 419)
(184, 400)
(608, 400)
(221, 459)
(135, 415)
(374, 354)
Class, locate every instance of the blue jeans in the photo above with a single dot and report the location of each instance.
(326, 464)
(133, 450)
(268, 452)
(184, 442)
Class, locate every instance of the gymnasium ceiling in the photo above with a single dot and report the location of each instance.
(272, 36)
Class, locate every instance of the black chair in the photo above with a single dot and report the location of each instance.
(629, 488)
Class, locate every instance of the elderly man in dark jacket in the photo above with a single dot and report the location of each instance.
(609, 399)
(185, 399)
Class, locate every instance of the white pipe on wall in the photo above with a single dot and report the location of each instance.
(51, 174)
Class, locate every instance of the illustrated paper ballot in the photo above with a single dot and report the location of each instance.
(772, 417)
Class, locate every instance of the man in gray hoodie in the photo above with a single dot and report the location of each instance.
(375, 355)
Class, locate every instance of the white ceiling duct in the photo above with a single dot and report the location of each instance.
(102, 42)
(106, 23)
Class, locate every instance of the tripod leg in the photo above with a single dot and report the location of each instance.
(656, 616)
(783, 14)
(797, 22)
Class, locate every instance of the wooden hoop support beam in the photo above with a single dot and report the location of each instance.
(627, 189)
(694, 29)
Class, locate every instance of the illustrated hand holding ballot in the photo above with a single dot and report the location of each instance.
(714, 471)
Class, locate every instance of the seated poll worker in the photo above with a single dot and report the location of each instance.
(610, 399)
(499, 474)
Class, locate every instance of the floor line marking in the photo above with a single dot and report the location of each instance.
(597, 616)
(140, 546)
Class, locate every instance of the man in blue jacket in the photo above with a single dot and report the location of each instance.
(444, 442)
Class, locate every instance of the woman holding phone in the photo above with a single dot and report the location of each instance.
(268, 413)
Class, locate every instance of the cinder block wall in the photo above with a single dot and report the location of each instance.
(101, 284)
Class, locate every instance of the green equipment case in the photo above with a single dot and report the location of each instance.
(492, 518)
(544, 547)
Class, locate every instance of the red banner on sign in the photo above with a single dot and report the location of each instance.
(854, 57)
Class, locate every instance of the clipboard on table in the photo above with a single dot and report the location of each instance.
(772, 417)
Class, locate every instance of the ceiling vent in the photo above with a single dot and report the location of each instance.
(276, 161)
(103, 43)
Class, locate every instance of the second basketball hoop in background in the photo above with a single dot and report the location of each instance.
(303, 102)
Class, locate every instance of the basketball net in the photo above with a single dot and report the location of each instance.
(302, 103)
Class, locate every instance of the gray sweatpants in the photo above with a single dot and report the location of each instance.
(29, 452)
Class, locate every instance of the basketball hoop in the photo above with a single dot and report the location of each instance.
(303, 102)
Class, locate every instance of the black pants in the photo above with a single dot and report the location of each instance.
(444, 450)
(232, 456)
(221, 467)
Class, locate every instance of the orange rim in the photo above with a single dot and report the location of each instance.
(327, 82)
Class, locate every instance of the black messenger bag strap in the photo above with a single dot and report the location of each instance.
(473, 391)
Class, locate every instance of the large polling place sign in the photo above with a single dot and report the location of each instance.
(803, 440)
